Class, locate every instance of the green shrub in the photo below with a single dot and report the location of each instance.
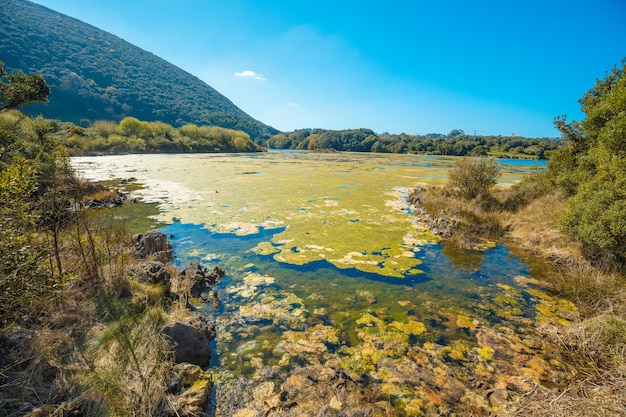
(131, 126)
(104, 128)
(592, 168)
(471, 177)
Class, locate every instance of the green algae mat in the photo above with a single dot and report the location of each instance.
(333, 291)
(348, 209)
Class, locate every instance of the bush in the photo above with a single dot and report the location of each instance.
(157, 129)
(471, 177)
(597, 217)
(131, 126)
(104, 128)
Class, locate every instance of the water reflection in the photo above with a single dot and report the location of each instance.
(467, 260)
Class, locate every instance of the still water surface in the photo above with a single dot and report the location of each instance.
(327, 266)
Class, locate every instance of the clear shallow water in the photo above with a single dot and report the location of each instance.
(451, 284)
(326, 266)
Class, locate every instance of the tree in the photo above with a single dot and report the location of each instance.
(592, 168)
(20, 89)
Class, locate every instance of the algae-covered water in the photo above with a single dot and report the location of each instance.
(333, 290)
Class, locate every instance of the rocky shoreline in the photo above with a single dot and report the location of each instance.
(190, 334)
(443, 226)
(183, 382)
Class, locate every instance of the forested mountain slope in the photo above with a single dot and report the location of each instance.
(95, 75)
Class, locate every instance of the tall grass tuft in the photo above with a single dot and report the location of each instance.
(129, 362)
(590, 288)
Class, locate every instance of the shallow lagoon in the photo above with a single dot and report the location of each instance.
(326, 267)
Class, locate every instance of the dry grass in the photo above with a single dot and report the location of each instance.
(594, 288)
(596, 348)
(583, 399)
(129, 363)
(601, 338)
(591, 289)
(535, 228)
(596, 345)
(93, 351)
(102, 195)
(476, 222)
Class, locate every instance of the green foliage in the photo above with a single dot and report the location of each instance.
(135, 136)
(30, 165)
(94, 75)
(104, 128)
(18, 222)
(455, 143)
(62, 282)
(592, 168)
(523, 193)
(131, 126)
(159, 129)
(33, 197)
(472, 177)
(21, 89)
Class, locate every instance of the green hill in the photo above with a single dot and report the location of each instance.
(94, 75)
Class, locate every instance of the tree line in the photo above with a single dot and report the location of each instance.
(455, 143)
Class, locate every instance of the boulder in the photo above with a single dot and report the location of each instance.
(201, 279)
(191, 337)
(153, 244)
(195, 276)
(153, 272)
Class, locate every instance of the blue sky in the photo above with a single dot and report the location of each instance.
(421, 66)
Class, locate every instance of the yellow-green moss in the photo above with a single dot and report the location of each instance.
(486, 352)
(413, 327)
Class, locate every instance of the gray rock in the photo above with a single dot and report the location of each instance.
(153, 244)
(151, 271)
(201, 279)
(191, 337)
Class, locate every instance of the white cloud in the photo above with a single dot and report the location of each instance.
(250, 74)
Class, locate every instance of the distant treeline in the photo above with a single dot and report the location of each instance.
(135, 136)
(454, 143)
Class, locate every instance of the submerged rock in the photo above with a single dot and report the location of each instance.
(190, 388)
(201, 279)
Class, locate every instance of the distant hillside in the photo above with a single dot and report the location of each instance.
(94, 75)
